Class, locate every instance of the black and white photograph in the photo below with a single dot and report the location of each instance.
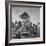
(25, 22)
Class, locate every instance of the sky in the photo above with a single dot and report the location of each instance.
(33, 12)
